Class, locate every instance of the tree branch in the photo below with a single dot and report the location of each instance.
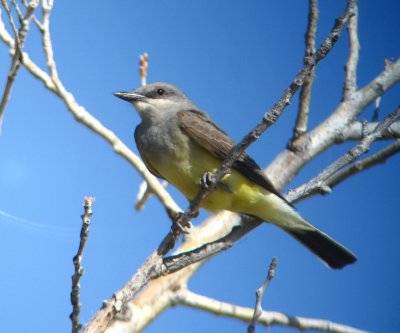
(157, 296)
(350, 82)
(288, 163)
(377, 158)
(356, 130)
(18, 56)
(305, 93)
(267, 318)
(157, 266)
(259, 295)
(78, 269)
(319, 184)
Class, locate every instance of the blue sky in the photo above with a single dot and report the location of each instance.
(233, 59)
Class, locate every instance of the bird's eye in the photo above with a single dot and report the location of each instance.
(160, 92)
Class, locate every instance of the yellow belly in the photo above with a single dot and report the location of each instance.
(186, 167)
(237, 193)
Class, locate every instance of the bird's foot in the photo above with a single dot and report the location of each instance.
(178, 222)
(181, 224)
(207, 181)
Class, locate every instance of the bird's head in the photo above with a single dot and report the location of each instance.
(157, 100)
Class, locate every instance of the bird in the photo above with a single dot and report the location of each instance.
(180, 143)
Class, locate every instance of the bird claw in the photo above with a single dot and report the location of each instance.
(183, 226)
(207, 181)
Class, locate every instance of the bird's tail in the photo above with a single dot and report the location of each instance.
(286, 217)
(328, 250)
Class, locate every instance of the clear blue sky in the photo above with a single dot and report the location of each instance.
(233, 58)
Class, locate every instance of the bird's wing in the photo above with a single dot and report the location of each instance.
(211, 137)
(145, 160)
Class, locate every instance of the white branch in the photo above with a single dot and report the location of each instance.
(350, 83)
(267, 318)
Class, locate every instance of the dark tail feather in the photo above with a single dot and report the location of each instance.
(332, 253)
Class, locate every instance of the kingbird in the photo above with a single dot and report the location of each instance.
(180, 143)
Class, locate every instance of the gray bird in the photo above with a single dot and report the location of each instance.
(180, 143)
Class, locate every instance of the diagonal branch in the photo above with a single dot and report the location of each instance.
(369, 162)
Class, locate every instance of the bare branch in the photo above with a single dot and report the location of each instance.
(267, 318)
(34, 18)
(47, 45)
(156, 266)
(144, 193)
(377, 158)
(319, 183)
(20, 36)
(288, 163)
(76, 326)
(305, 93)
(259, 295)
(143, 65)
(350, 83)
(356, 130)
(158, 295)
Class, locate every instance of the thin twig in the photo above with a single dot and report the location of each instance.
(143, 65)
(305, 93)
(267, 318)
(78, 272)
(369, 162)
(375, 115)
(350, 82)
(319, 183)
(259, 295)
(18, 11)
(34, 18)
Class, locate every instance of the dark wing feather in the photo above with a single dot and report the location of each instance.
(211, 137)
(145, 160)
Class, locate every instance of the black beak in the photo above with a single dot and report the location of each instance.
(129, 96)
